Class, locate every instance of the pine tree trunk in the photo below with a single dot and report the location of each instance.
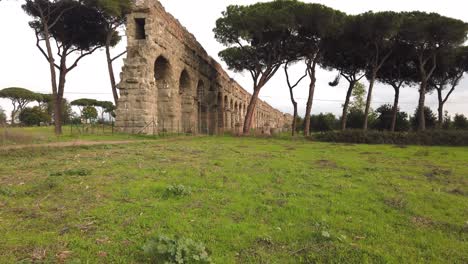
(294, 123)
(395, 109)
(344, 116)
(250, 111)
(421, 104)
(57, 115)
(111, 75)
(440, 108)
(59, 97)
(309, 108)
(294, 103)
(310, 101)
(369, 100)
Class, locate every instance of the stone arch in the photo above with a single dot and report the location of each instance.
(241, 113)
(163, 76)
(184, 82)
(226, 112)
(236, 114)
(221, 110)
(232, 114)
(186, 108)
(202, 106)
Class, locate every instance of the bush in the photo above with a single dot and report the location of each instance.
(323, 122)
(460, 122)
(385, 116)
(33, 116)
(429, 138)
(163, 249)
(89, 113)
(355, 118)
(431, 119)
(299, 124)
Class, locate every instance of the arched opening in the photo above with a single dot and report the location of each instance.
(185, 103)
(161, 68)
(232, 115)
(202, 108)
(241, 114)
(226, 112)
(162, 76)
(236, 114)
(220, 113)
(184, 82)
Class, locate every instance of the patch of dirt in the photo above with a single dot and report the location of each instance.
(421, 221)
(436, 172)
(422, 153)
(371, 153)
(326, 164)
(458, 191)
(396, 202)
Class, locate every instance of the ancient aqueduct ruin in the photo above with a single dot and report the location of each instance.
(170, 84)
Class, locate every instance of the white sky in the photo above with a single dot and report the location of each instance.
(22, 65)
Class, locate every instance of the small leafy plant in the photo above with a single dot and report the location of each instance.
(177, 191)
(164, 249)
(5, 191)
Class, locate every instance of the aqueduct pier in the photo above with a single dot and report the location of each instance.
(170, 84)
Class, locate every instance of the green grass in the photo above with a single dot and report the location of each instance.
(41, 135)
(250, 201)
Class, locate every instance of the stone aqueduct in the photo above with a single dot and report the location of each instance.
(170, 84)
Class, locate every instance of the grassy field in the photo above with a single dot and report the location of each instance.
(42, 135)
(251, 201)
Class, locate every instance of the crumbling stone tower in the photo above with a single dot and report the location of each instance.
(170, 84)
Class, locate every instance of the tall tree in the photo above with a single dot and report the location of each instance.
(83, 103)
(358, 97)
(315, 22)
(115, 16)
(429, 34)
(378, 33)
(105, 107)
(291, 87)
(343, 52)
(452, 65)
(20, 98)
(255, 36)
(398, 71)
(77, 31)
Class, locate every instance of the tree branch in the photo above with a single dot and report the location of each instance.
(288, 79)
(81, 57)
(38, 45)
(118, 56)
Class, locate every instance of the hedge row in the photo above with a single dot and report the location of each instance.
(428, 138)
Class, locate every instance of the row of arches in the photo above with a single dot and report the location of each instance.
(234, 113)
(188, 105)
(182, 108)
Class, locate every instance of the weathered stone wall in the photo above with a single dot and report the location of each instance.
(170, 84)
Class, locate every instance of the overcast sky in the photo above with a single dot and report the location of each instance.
(22, 65)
